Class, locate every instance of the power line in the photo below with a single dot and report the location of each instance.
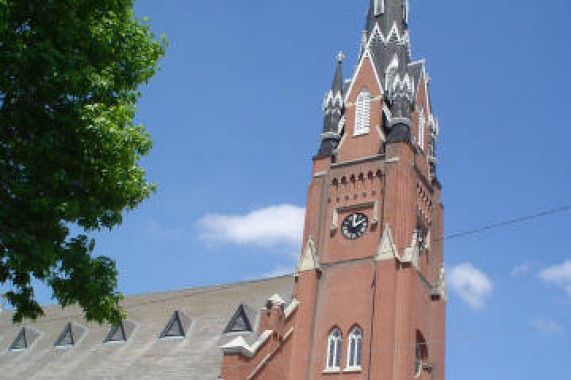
(456, 235)
(507, 222)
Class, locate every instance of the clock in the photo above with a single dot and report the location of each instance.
(355, 225)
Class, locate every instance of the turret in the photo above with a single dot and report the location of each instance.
(333, 109)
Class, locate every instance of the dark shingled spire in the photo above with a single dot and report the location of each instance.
(386, 13)
(333, 108)
(337, 85)
(391, 54)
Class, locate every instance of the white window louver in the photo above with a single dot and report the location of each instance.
(379, 7)
(362, 113)
(334, 350)
(421, 127)
(355, 349)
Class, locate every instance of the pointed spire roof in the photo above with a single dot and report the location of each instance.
(337, 85)
(333, 108)
(387, 13)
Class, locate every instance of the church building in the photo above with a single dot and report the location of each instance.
(369, 295)
(368, 298)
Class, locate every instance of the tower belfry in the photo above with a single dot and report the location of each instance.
(370, 291)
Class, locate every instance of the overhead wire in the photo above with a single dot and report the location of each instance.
(390, 346)
(456, 235)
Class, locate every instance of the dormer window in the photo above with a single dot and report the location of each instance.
(379, 7)
(362, 112)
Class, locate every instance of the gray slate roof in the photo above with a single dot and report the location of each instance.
(144, 355)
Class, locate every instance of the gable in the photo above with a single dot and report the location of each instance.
(365, 76)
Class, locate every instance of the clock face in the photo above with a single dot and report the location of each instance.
(355, 225)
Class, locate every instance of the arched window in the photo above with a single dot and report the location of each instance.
(334, 349)
(355, 349)
(421, 127)
(363, 112)
(420, 355)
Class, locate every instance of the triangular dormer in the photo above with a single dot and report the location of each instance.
(177, 326)
(117, 334)
(66, 338)
(241, 321)
(21, 342)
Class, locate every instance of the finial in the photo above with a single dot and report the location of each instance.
(340, 57)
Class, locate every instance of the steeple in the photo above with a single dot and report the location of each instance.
(369, 286)
(333, 108)
(387, 13)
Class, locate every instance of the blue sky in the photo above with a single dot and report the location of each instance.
(235, 114)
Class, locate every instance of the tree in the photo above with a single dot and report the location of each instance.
(69, 148)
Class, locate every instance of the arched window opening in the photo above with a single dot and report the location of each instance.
(421, 354)
(334, 349)
(355, 349)
(363, 112)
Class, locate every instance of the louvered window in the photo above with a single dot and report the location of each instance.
(379, 7)
(355, 349)
(363, 112)
(421, 127)
(334, 349)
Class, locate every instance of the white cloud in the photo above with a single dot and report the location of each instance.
(471, 284)
(522, 269)
(548, 326)
(266, 227)
(559, 275)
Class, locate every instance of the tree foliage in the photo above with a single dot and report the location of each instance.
(69, 148)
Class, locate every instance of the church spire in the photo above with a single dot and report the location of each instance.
(333, 108)
(386, 14)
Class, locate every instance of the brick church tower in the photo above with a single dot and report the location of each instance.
(369, 299)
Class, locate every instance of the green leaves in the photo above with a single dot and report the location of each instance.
(70, 71)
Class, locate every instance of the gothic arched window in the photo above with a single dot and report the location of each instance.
(363, 112)
(420, 355)
(334, 349)
(355, 348)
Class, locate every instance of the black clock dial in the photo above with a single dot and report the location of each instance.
(355, 225)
